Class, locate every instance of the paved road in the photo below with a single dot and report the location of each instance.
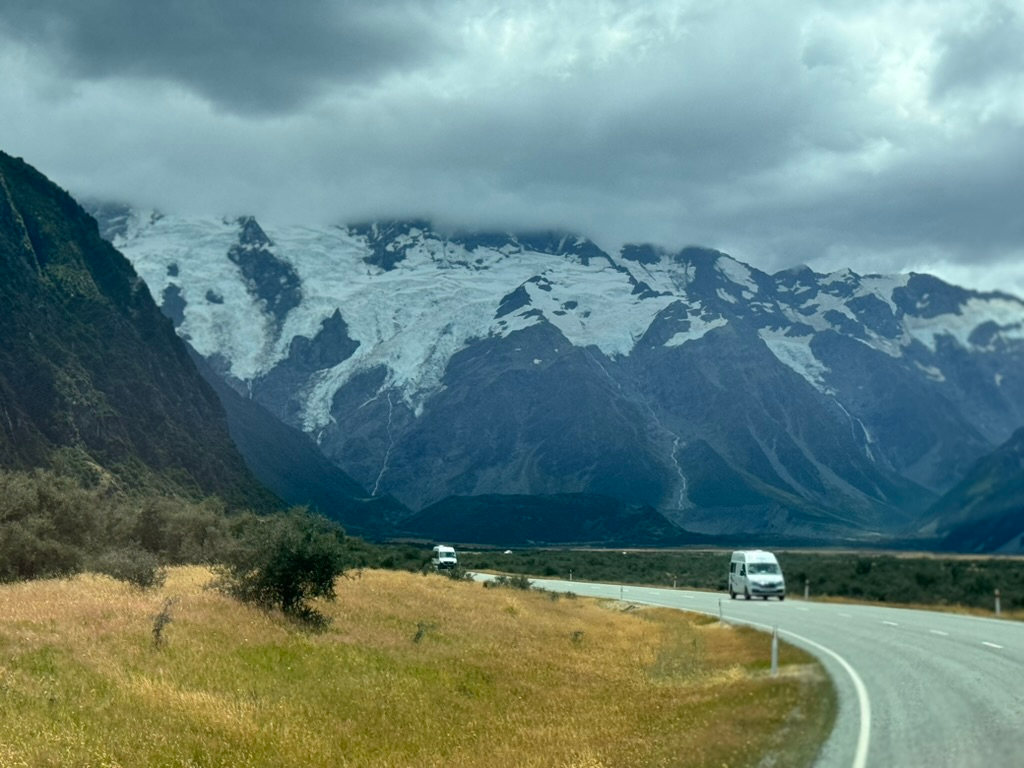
(916, 688)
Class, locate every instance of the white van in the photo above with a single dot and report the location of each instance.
(756, 573)
(444, 557)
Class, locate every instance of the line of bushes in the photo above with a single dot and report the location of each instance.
(51, 525)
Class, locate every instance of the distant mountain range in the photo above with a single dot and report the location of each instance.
(460, 373)
(509, 389)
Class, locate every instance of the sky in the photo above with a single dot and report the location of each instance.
(881, 135)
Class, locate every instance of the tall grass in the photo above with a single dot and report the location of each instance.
(412, 671)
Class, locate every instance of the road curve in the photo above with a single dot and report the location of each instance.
(916, 688)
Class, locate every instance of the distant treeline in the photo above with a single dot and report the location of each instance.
(878, 577)
(51, 526)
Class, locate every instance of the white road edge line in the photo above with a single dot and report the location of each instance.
(891, 623)
(939, 632)
(860, 756)
(991, 645)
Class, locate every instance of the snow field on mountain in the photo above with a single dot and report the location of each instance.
(665, 275)
(699, 326)
(606, 316)
(796, 353)
(415, 317)
(238, 328)
(737, 273)
(1007, 313)
(412, 319)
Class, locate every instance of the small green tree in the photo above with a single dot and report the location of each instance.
(282, 561)
(131, 564)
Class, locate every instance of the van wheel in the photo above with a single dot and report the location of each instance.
(746, 593)
(732, 595)
(781, 598)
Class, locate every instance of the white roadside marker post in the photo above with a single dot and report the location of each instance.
(775, 651)
(997, 603)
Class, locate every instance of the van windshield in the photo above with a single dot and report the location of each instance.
(762, 568)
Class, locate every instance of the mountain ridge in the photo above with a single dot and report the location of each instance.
(843, 402)
(984, 512)
(93, 379)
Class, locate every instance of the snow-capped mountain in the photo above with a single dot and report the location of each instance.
(429, 366)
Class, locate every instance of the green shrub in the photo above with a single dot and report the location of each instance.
(28, 552)
(181, 531)
(458, 573)
(46, 525)
(130, 564)
(510, 582)
(283, 561)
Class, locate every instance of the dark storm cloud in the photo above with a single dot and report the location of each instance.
(881, 135)
(243, 55)
(960, 198)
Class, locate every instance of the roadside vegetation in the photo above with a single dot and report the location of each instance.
(53, 526)
(408, 669)
(156, 630)
(963, 582)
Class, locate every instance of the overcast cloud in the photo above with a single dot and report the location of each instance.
(881, 135)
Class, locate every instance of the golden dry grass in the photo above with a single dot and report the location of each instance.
(413, 671)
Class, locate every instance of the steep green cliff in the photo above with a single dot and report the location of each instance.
(93, 379)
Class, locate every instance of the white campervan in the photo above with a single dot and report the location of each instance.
(756, 573)
(444, 557)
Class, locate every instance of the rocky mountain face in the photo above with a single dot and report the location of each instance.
(93, 379)
(984, 512)
(289, 463)
(436, 367)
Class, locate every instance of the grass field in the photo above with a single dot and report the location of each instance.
(413, 670)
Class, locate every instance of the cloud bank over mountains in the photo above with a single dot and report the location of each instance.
(884, 136)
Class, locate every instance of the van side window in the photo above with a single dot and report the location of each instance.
(732, 567)
(743, 570)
